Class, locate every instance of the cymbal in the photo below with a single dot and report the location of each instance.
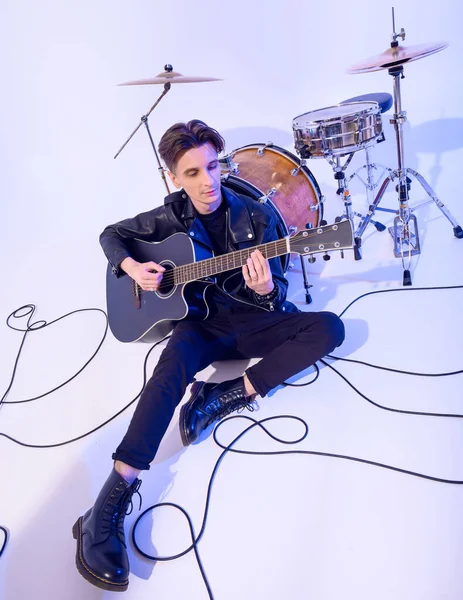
(393, 57)
(170, 77)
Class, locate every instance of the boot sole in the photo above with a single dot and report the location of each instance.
(86, 572)
(195, 389)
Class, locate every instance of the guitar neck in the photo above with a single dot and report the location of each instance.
(227, 262)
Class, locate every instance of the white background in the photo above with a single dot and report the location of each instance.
(291, 526)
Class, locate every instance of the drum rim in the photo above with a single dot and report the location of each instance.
(374, 108)
(285, 258)
(261, 195)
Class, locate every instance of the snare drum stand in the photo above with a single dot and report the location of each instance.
(343, 190)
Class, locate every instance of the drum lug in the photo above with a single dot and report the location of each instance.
(272, 191)
(261, 151)
(234, 168)
(228, 166)
(296, 170)
(314, 207)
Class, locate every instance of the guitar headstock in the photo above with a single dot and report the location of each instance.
(338, 236)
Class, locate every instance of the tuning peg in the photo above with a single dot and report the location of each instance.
(311, 259)
(326, 257)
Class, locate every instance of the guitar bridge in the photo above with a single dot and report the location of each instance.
(136, 294)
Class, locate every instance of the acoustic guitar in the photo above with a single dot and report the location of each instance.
(138, 315)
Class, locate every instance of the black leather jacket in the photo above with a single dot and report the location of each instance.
(249, 224)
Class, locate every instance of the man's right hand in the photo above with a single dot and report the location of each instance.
(148, 275)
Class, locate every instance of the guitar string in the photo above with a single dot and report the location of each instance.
(190, 272)
(223, 262)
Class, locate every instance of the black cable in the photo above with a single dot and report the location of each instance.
(373, 366)
(360, 362)
(396, 410)
(5, 541)
(317, 375)
(40, 325)
(195, 540)
(406, 289)
(229, 448)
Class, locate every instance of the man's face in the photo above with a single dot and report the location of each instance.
(198, 173)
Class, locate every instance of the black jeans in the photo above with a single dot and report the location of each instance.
(288, 343)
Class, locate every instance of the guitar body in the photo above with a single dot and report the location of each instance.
(150, 316)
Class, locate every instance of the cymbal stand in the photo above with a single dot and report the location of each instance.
(405, 229)
(144, 121)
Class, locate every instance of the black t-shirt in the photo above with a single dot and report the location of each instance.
(215, 224)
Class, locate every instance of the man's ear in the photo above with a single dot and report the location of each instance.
(174, 179)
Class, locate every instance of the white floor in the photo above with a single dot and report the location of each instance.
(291, 526)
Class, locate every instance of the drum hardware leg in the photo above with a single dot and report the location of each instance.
(144, 121)
(405, 229)
(457, 231)
(406, 235)
(160, 167)
(370, 186)
(357, 246)
(368, 218)
(379, 226)
(307, 285)
(342, 190)
(370, 179)
(382, 191)
(308, 298)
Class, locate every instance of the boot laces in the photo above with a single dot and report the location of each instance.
(225, 407)
(116, 510)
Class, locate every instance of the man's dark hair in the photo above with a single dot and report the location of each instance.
(184, 136)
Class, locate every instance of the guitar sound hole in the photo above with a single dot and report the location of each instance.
(167, 283)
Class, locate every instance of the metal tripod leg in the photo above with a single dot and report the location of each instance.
(371, 211)
(457, 230)
(307, 286)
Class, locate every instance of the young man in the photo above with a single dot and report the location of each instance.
(248, 317)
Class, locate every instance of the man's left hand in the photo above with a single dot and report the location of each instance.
(257, 274)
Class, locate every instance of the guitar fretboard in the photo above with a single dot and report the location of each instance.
(226, 262)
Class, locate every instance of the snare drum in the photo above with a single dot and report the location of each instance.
(279, 175)
(244, 187)
(337, 130)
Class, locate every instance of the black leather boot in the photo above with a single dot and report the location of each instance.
(101, 551)
(210, 402)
